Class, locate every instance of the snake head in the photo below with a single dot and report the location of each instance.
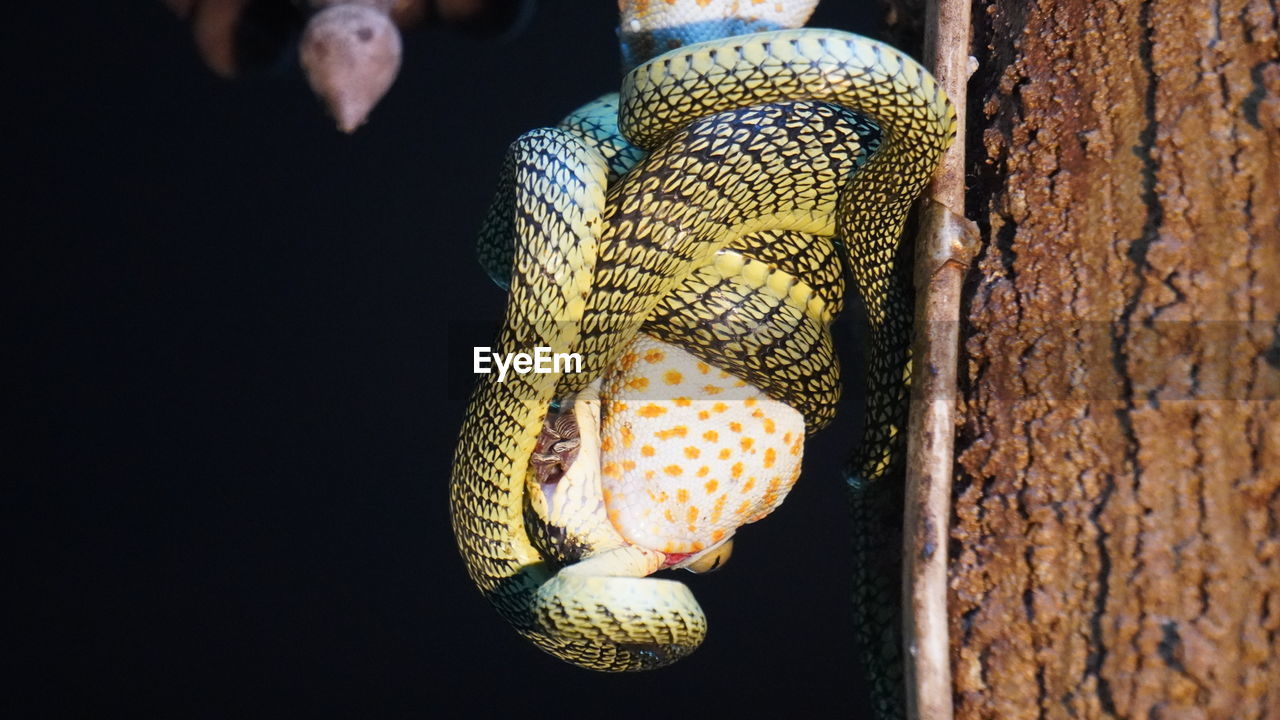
(709, 560)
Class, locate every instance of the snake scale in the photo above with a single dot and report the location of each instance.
(698, 208)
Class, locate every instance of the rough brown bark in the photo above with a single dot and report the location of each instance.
(1116, 529)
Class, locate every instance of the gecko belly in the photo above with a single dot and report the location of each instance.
(689, 452)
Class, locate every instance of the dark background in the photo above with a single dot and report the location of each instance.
(243, 345)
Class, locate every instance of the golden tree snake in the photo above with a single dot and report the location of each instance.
(687, 238)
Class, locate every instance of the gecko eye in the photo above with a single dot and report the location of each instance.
(713, 560)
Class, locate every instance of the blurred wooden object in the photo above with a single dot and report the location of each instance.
(350, 50)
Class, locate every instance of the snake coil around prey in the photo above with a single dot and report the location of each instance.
(681, 237)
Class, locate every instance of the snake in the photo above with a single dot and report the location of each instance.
(695, 225)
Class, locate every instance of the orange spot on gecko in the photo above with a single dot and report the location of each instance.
(648, 474)
(750, 483)
(712, 389)
(639, 382)
(646, 450)
(627, 360)
(742, 509)
(617, 408)
(749, 402)
(673, 470)
(724, 375)
(611, 470)
(719, 407)
(677, 431)
(711, 486)
(628, 465)
(627, 436)
(769, 426)
(717, 536)
(702, 471)
(757, 414)
(671, 377)
(724, 454)
(747, 443)
(736, 470)
(670, 516)
(682, 496)
(651, 411)
(654, 356)
(606, 444)
(703, 414)
(704, 368)
(711, 436)
(682, 402)
(718, 509)
(692, 452)
(692, 515)
(786, 437)
(770, 455)
(735, 426)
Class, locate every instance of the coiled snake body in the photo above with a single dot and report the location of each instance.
(740, 163)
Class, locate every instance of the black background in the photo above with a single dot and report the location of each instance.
(243, 345)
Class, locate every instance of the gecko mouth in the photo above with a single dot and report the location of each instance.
(557, 447)
(556, 450)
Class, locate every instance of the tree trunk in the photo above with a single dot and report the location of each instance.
(1116, 518)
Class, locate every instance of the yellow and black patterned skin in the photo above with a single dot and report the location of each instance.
(751, 150)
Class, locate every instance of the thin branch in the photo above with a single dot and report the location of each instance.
(943, 249)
